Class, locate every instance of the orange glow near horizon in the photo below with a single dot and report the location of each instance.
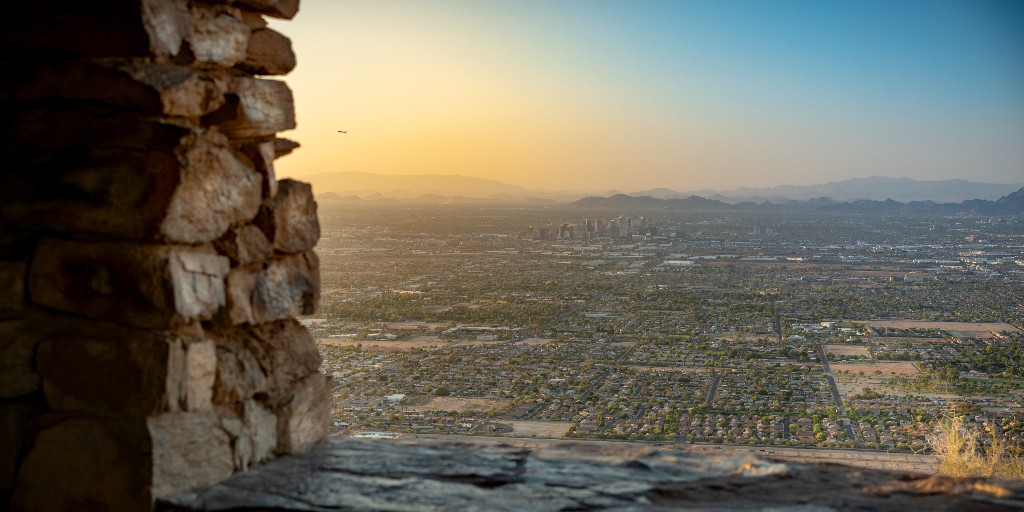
(590, 96)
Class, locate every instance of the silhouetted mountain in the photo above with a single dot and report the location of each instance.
(876, 188)
(1012, 204)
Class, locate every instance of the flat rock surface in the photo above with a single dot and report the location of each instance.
(378, 475)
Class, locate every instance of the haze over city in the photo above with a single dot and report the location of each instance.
(606, 95)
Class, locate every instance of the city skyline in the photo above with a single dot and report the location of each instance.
(684, 95)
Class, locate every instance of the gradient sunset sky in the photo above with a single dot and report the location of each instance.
(595, 95)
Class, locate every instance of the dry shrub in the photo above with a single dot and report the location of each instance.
(961, 454)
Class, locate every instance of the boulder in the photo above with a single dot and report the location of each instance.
(269, 53)
(303, 421)
(289, 220)
(154, 286)
(190, 451)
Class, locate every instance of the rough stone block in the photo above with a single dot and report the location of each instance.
(104, 28)
(290, 220)
(269, 53)
(283, 352)
(130, 372)
(239, 375)
(219, 36)
(284, 146)
(275, 8)
(240, 288)
(12, 284)
(19, 336)
(216, 192)
(149, 87)
(158, 181)
(200, 374)
(261, 109)
(262, 155)
(80, 463)
(190, 450)
(168, 25)
(303, 421)
(283, 288)
(143, 285)
(245, 245)
(254, 435)
(288, 288)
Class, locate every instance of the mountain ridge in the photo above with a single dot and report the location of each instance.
(1009, 204)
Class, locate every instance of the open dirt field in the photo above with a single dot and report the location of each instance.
(847, 350)
(853, 383)
(887, 368)
(966, 327)
(545, 429)
(399, 345)
(444, 403)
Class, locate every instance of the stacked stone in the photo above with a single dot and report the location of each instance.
(151, 265)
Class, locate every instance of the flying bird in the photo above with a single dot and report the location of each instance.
(339, 131)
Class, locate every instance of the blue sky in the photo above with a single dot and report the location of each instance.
(682, 94)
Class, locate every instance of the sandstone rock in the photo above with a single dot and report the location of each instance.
(167, 23)
(129, 372)
(290, 220)
(143, 285)
(216, 192)
(149, 87)
(160, 181)
(190, 450)
(262, 108)
(262, 155)
(198, 282)
(303, 421)
(289, 287)
(257, 436)
(240, 287)
(81, 463)
(253, 20)
(284, 353)
(219, 36)
(284, 146)
(239, 375)
(284, 288)
(269, 53)
(104, 28)
(200, 374)
(245, 245)
(276, 8)
(18, 341)
(12, 285)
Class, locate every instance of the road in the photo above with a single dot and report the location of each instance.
(836, 397)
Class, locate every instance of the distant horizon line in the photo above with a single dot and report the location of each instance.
(640, 189)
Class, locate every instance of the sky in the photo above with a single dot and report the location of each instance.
(684, 94)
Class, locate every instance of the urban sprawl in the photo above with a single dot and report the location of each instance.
(792, 330)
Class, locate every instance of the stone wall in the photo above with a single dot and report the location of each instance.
(151, 265)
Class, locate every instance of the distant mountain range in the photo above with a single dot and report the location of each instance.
(878, 188)
(875, 193)
(1010, 204)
